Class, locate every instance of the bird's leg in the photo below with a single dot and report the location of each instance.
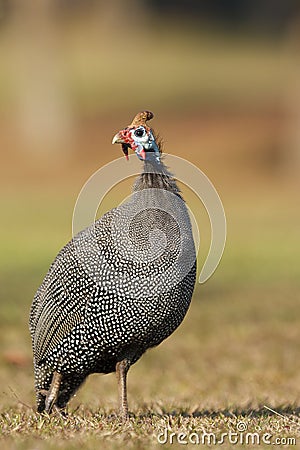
(121, 372)
(52, 394)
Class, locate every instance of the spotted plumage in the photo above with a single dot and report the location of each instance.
(119, 287)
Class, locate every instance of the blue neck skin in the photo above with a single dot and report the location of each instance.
(151, 150)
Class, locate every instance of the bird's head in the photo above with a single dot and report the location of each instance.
(139, 137)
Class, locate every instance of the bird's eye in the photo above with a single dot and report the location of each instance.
(140, 132)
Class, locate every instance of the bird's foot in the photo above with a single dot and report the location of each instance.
(52, 393)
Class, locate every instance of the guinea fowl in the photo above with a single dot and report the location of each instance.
(119, 287)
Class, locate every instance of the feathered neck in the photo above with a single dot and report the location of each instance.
(156, 176)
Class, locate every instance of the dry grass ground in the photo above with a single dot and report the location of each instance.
(147, 429)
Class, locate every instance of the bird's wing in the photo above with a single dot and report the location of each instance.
(59, 304)
(55, 322)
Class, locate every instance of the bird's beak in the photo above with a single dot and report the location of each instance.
(117, 139)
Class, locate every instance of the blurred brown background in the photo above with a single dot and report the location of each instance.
(223, 79)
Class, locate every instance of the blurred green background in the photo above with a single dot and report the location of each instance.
(223, 80)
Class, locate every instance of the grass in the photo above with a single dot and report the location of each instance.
(147, 428)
